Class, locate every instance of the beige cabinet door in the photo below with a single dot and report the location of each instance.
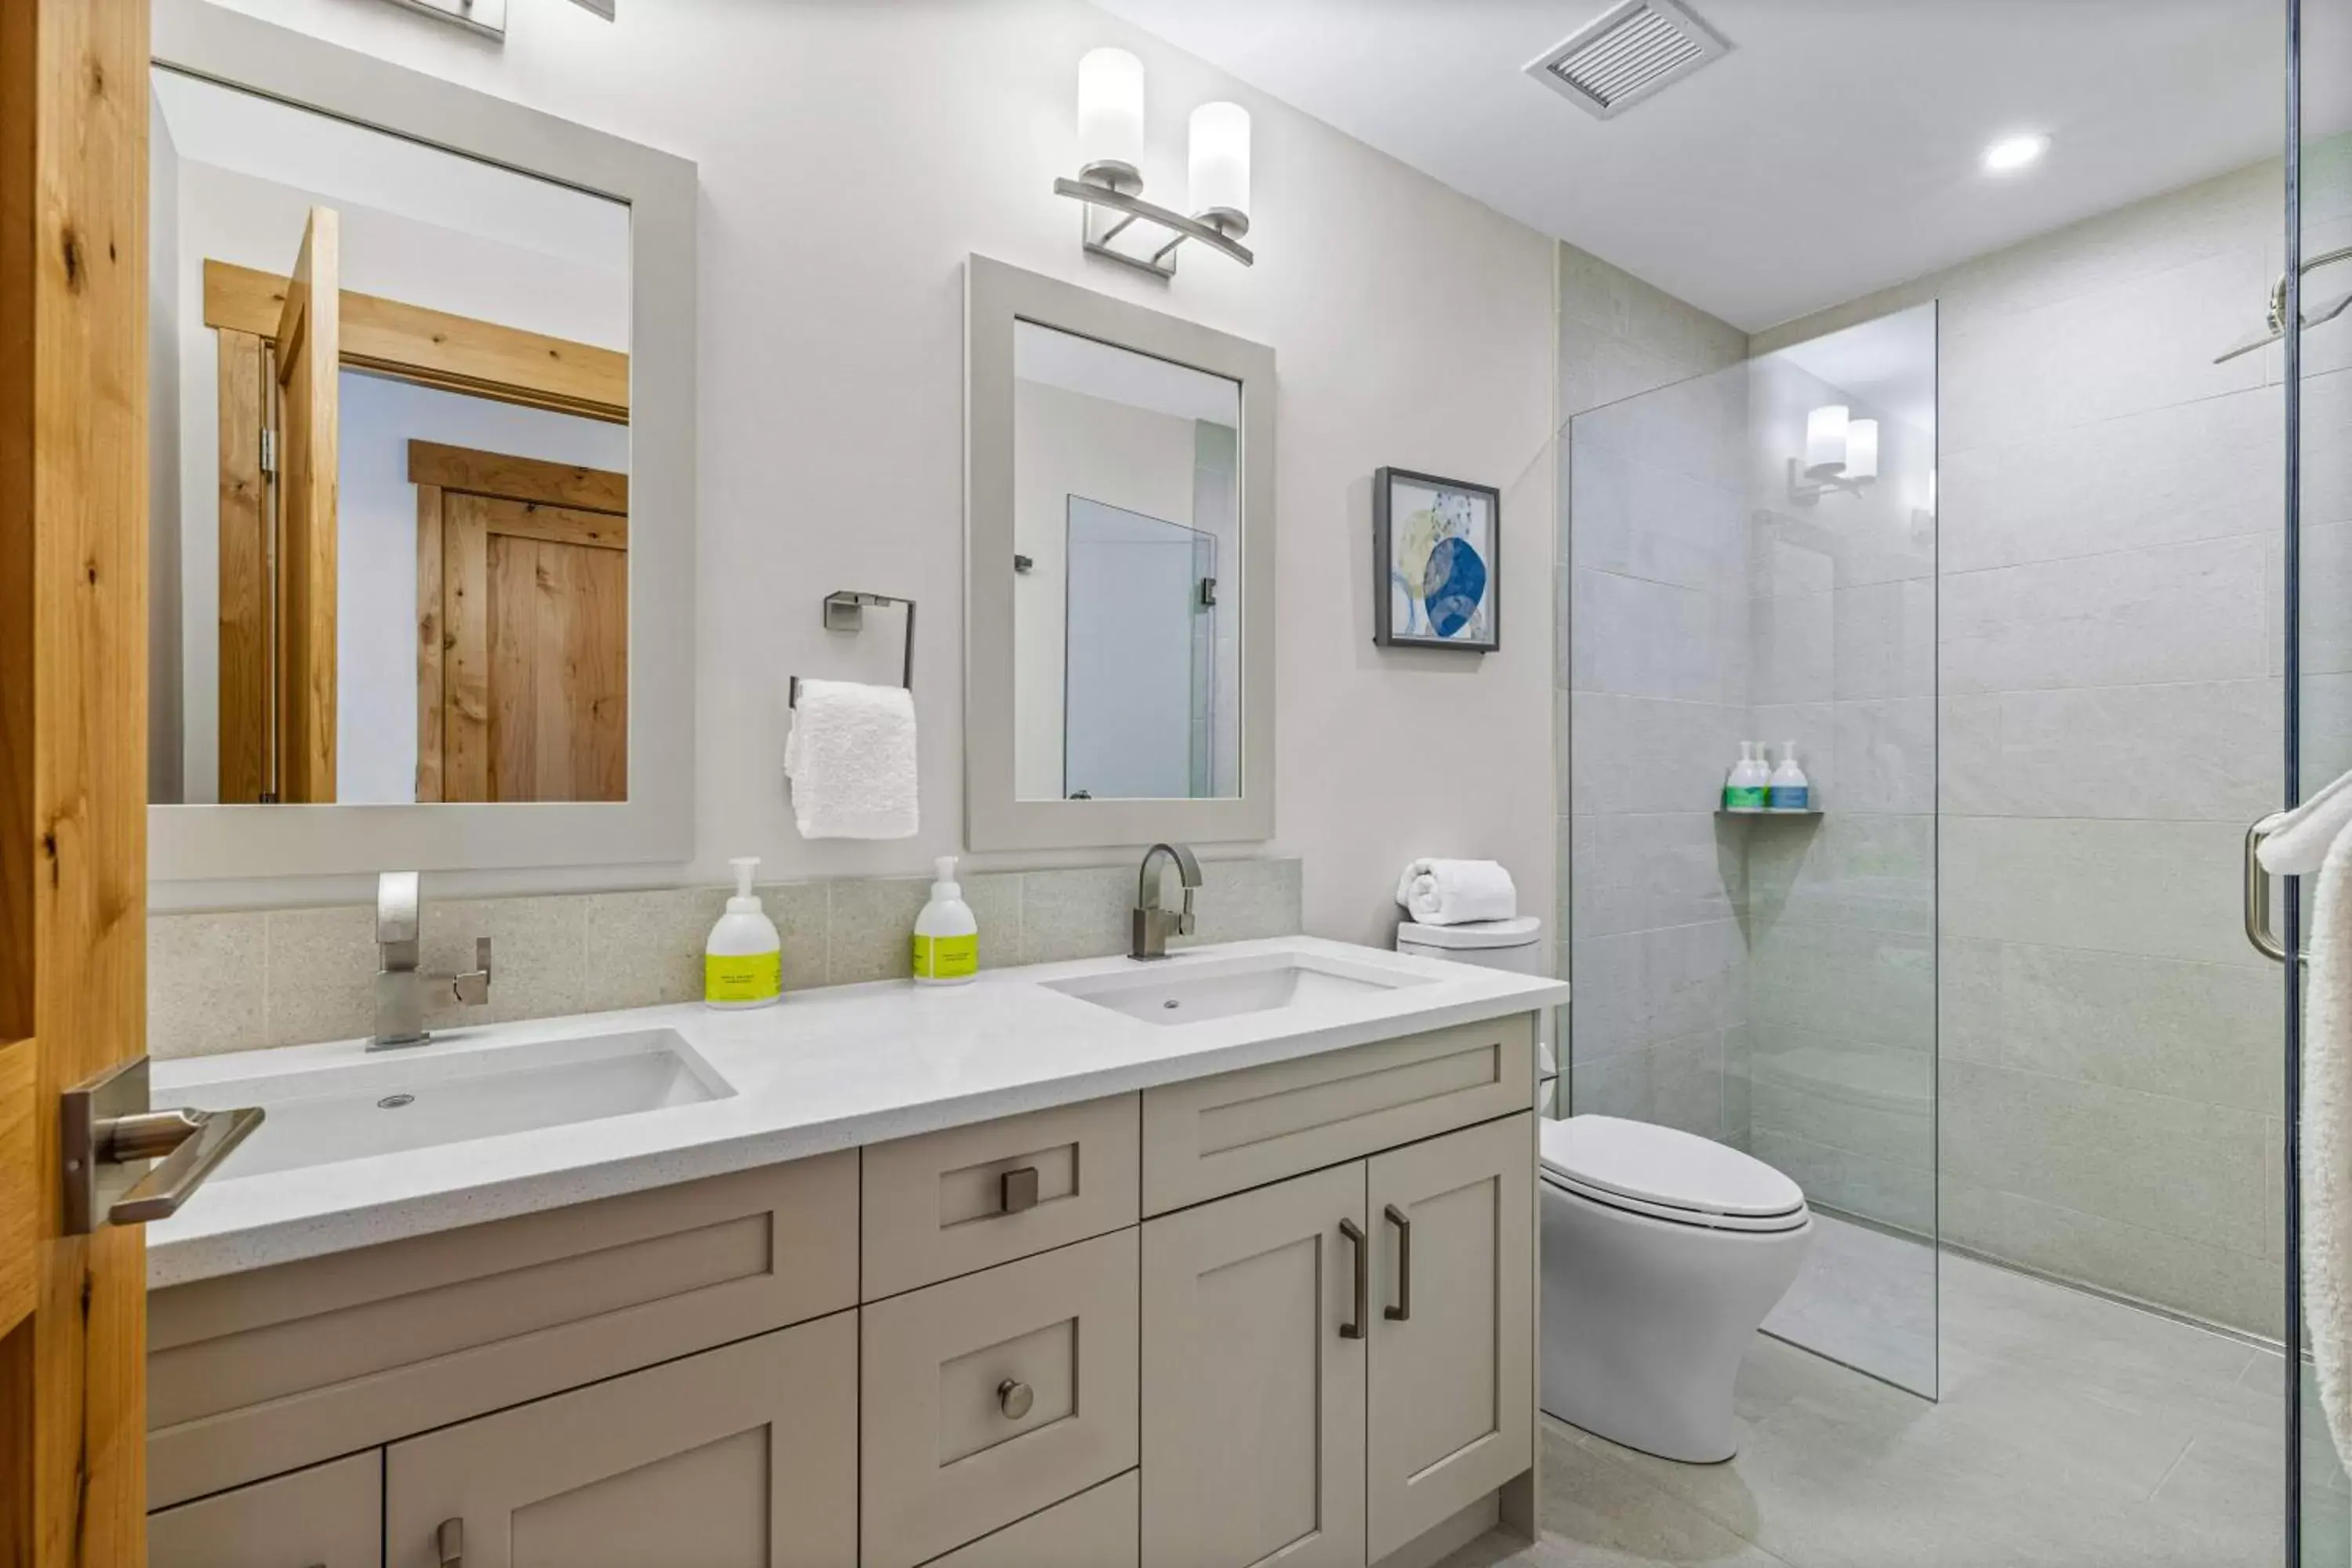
(1254, 1311)
(1451, 1398)
(330, 1516)
(744, 1456)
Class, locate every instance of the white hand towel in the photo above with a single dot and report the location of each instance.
(851, 759)
(2300, 839)
(2326, 1153)
(1454, 892)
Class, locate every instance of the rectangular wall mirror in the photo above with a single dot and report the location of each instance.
(1119, 572)
(414, 544)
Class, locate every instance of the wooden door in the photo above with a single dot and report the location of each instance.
(73, 758)
(1452, 1404)
(308, 363)
(330, 1516)
(1252, 1391)
(522, 596)
(744, 1456)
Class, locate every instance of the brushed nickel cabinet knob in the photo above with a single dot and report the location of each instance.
(1015, 1399)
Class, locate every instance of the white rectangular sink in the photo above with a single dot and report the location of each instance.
(1179, 993)
(438, 1094)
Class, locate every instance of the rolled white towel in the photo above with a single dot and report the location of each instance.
(851, 759)
(1455, 892)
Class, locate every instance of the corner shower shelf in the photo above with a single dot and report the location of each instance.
(1765, 811)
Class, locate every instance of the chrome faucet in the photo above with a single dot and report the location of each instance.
(1153, 923)
(402, 993)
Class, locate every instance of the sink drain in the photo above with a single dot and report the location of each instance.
(1171, 1005)
(395, 1102)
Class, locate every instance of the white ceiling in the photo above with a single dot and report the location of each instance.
(1834, 152)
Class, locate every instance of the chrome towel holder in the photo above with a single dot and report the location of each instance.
(845, 611)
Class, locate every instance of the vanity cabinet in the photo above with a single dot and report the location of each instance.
(329, 1516)
(737, 1457)
(1337, 1363)
(1283, 1311)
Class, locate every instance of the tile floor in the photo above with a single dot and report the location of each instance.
(2073, 1432)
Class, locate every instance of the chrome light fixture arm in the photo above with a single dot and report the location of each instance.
(1219, 232)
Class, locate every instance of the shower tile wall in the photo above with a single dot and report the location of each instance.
(2109, 526)
(1652, 682)
(1841, 908)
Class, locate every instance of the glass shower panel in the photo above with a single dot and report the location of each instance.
(1752, 556)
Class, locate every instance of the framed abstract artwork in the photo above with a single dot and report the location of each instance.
(1437, 563)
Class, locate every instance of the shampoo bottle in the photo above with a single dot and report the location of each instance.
(743, 962)
(947, 937)
(1790, 789)
(1750, 779)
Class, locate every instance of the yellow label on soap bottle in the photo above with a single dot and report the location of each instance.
(743, 976)
(946, 957)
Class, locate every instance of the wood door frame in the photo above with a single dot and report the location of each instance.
(534, 498)
(433, 348)
(73, 758)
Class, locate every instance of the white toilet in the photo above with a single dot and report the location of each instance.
(1661, 1252)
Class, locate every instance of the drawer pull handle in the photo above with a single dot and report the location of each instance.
(1016, 1190)
(1354, 1328)
(1015, 1398)
(1402, 1311)
(450, 1540)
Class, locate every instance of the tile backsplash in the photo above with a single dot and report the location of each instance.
(239, 979)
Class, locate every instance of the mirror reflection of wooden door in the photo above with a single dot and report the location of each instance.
(522, 602)
(280, 457)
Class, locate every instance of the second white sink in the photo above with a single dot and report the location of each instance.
(1193, 994)
(429, 1095)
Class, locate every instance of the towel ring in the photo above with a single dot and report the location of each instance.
(845, 611)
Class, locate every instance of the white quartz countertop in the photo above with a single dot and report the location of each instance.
(825, 1069)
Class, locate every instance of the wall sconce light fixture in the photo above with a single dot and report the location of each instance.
(1111, 173)
(1841, 454)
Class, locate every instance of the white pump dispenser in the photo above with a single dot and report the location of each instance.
(743, 962)
(1790, 790)
(946, 936)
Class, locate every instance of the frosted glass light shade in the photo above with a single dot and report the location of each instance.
(1220, 164)
(1862, 449)
(1825, 430)
(1110, 114)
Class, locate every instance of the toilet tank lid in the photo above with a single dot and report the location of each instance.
(1643, 1161)
(1515, 932)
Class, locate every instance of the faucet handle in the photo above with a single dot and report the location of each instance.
(474, 989)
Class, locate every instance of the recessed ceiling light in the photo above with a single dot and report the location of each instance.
(2012, 152)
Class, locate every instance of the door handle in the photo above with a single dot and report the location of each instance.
(449, 1540)
(2258, 893)
(1402, 1311)
(1354, 1328)
(106, 1131)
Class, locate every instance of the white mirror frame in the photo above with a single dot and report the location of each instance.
(996, 297)
(188, 843)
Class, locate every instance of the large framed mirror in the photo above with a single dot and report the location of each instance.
(1119, 572)
(421, 402)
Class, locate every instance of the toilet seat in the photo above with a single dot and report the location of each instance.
(1639, 1167)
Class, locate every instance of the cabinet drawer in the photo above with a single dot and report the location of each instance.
(330, 1516)
(258, 1373)
(1217, 1135)
(945, 1458)
(950, 1202)
(741, 1456)
(1096, 1528)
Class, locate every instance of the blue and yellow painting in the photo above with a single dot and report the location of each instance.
(1441, 579)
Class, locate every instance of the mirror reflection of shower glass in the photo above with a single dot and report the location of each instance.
(1127, 596)
(390, 413)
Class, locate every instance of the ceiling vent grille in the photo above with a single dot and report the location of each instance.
(1626, 54)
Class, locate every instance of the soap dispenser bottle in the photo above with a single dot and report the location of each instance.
(1750, 780)
(1790, 789)
(743, 962)
(947, 937)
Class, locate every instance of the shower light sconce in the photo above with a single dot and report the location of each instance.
(1111, 173)
(1841, 454)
